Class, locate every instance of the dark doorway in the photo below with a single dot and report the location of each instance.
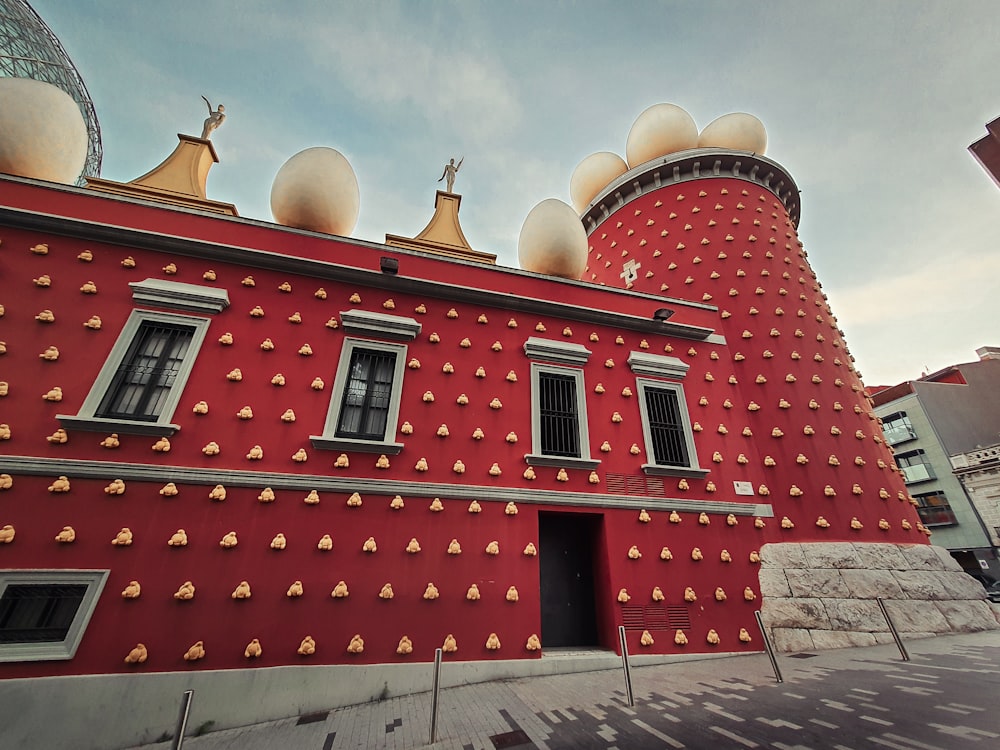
(566, 563)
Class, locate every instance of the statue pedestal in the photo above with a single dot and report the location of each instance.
(179, 180)
(443, 234)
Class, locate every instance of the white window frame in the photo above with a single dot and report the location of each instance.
(663, 372)
(54, 650)
(536, 457)
(693, 469)
(85, 419)
(329, 440)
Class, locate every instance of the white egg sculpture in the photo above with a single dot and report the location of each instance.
(553, 241)
(316, 190)
(662, 129)
(42, 133)
(738, 131)
(592, 175)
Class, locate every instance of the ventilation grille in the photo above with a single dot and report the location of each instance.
(621, 484)
(656, 617)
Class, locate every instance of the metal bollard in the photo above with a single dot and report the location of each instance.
(768, 647)
(435, 691)
(892, 629)
(625, 666)
(182, 720)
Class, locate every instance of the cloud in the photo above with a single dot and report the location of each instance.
(392, 72)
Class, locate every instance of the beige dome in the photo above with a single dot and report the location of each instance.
(317, 190)
(737, 131)
(42, 133)
(553, 241)
(660, 130)
(592, 175)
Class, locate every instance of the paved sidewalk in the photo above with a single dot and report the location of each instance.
(946, 698)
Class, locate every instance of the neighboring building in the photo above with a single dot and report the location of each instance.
(979, 472)
(926, 421)
(401, 447)
(987, 150)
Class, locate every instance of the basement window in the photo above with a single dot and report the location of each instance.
(44, 613)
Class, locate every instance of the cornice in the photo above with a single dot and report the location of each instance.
(103, 470)
(183, 246)
(686, 166)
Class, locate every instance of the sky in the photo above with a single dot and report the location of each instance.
(870, 105)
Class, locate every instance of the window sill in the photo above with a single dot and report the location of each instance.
(673, 471)
(562, 462)
(123, 426)
(323, 442)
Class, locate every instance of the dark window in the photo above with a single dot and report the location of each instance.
(666, 427)
(38, 613)
(148, 371)
(934, 509)
(558, 416)
(365, 406)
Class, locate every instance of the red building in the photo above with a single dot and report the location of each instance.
(987, 150)
(231, 446)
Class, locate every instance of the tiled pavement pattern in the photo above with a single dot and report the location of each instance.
(946, 698)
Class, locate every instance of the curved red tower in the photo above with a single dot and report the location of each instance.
(778, 405)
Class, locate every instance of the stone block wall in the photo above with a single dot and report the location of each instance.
(822, 595)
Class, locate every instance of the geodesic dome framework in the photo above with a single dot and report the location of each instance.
(29, 49)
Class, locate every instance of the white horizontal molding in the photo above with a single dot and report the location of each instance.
(657, 365)
(380, 325)
(176, 295)
(87, 469)
(122, 426)
(562, 462)
(326, 443)
(550, 350)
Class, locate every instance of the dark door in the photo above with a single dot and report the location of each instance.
(566, 562)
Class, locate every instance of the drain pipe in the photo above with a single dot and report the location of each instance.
(625, 666)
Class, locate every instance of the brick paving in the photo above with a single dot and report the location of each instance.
(946, 698)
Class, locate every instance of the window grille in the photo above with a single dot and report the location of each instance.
(39, 613)
(364, 409)
(558, 416)
(666, 427)
(142, 383)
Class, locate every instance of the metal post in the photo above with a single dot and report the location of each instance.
(625, 666)
(435, 691)
(768, 647)
(892, 629)
(182, 720)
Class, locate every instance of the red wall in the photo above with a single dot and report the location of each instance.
(167, 627)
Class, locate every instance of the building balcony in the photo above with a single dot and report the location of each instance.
(918, 473)
(896, 435)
